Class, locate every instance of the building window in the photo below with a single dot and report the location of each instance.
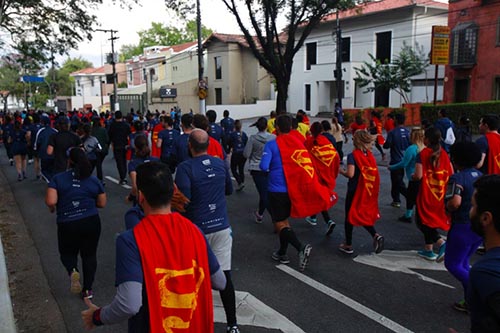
(496, 91)
(498, 32)
(218, 96)
(92, 82)
(346, 49)
(218, 68)
(130, 75)
(144, 74)
(384, 46)
(461, 91)
(311, 55)
(308, 97)
(464, 45)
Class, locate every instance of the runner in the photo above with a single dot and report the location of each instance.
(253, 152)
(237, 142)
(78, 225)
(433, 167)
(461, 242)
(361, 203)
(165, 142)
(489, 143)
(18, 140)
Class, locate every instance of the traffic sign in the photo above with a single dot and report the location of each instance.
(31, 78)
(440, 49)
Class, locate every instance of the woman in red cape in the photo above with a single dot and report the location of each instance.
(326, 162)
(362, 192)
(434, 169)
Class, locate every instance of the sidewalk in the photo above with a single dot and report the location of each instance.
(26, 300)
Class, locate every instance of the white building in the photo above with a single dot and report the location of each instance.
(380, 28)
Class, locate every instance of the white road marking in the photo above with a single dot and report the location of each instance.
(252, 312)
(116, 181)
(403, 261)
(375, 316)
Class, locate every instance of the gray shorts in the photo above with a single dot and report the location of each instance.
(221, 243)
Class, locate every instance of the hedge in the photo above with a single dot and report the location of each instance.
(474, 111)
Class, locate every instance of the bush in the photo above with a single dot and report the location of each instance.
(474, 111)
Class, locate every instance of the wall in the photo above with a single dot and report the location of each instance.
(78, 101)
(245, 111)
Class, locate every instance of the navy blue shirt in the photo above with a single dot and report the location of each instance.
(76, 199)
(19, 144)
(6, 130)
(397, 141)
(352, 183)
(168, 137)
(42, 141)
(133, 216)
(465, 178)
(33, 128)
(482, 143)
(215, 131)
(238, 141)
(484, 282)
(442, 124)
(133, 164)
(227, 125)
(205, 180)
(271, 161)
(181, 151)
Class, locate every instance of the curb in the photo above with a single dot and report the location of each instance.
(7, 323)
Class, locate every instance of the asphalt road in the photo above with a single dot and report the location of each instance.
(336, 293)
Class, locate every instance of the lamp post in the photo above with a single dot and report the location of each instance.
(200, 58)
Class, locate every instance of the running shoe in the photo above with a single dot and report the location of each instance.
(461, 306)
(427, 255)
(396, 204)
(304, 257)
(282, 258)
(75, 287)
(311, 221)
(258, 217)
(378, 243)
(123, 182)
(11, 161)
(404, 218)
(87, 294)
(233, 329)
(30, 161)
(19, 178)
(240, 187)
(329, 227)
(442, 250)
(347, 249)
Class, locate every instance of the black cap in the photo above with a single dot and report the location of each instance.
(118, 114)
(262, 121)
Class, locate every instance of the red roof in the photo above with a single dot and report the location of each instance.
(90, 70)
(383, 5)
(240, 39)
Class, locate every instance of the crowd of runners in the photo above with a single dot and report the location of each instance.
(179, 168)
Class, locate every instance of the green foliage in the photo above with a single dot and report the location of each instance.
(474, 111)
(60, 81)
(395, 75)
(161, 34)
(39, 29)
(122, 84)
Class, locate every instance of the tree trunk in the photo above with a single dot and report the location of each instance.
(282, 87)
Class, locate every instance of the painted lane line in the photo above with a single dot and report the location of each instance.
(375, 316)
(404, 262)
(251, 311)
(117, 182)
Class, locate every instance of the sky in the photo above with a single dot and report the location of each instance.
(214, 15)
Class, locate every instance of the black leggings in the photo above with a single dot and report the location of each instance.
(431, 235)
(238, 166)
(410, 193)
(80, 236)
(229, 300)
(348, 227)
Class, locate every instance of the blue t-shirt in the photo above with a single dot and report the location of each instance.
(132, 165)
(271, 161)
(33, 128)
(133, 216)
(215, 131)
(238, 141)
(330, 138)
(484, 282)
(168, 137)
(181, 151)
(227, 125)
(465, 178)
(19, 142)
(397, 141)
(442, 124)
(42, 141)
(6, 131)
(482, 143)
(76, 199)
(205, 180)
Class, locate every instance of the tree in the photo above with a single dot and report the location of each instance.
(273, 49)
(63, 83)
(161, 34)
(395, 75)
(40, 28)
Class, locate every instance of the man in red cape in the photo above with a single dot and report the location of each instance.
(294, 189)
(489, 144)
(168, 256)
(155, 150)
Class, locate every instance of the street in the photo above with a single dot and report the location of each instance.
(394, 291)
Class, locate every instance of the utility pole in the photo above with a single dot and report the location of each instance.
(114, 104)
(338, 63)
(201, 82)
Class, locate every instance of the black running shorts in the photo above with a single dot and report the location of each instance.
(279, 206)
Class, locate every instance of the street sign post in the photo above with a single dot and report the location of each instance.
(440, 51)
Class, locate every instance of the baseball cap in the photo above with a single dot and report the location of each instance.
(262, 121)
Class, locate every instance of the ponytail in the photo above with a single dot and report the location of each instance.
(80, 163)
(433, 136)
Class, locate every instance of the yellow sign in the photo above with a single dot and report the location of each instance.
(440, 51)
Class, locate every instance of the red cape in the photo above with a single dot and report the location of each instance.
(176, 274)
(430, 199)
(307, 195)
(493, 152)
(364, 209)
(156, 152)
(325, 158)
(378, 126)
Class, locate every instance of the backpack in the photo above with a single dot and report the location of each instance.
(450, 136)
